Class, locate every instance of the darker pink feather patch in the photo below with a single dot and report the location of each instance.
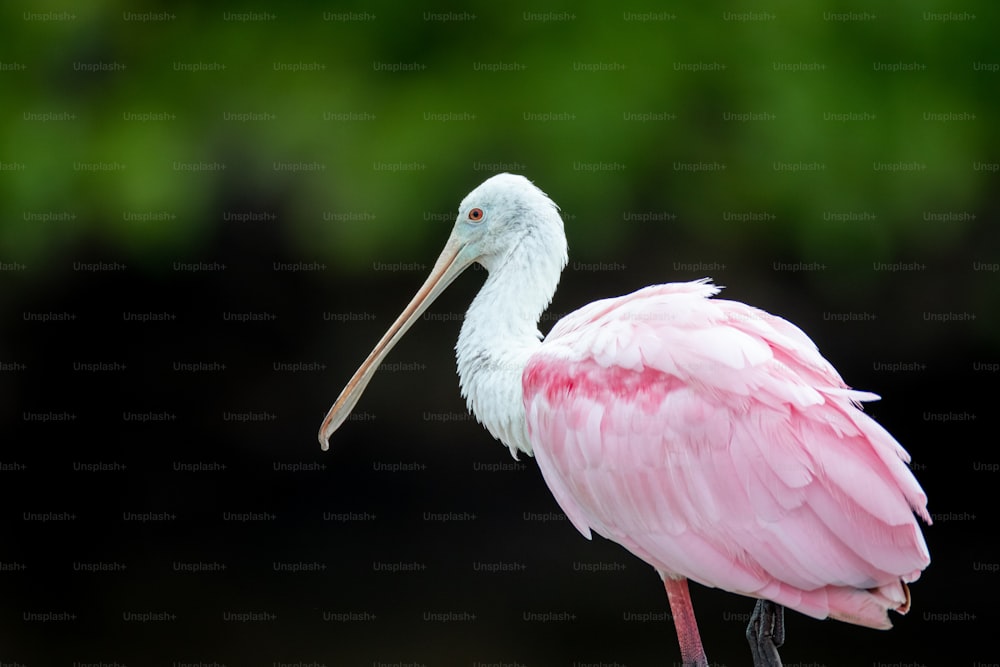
(558, 380)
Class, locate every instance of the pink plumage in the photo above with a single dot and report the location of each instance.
(713, 441)
(709, 438)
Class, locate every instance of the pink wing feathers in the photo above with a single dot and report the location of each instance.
(713, 441)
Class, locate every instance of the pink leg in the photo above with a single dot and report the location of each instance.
(692, 653)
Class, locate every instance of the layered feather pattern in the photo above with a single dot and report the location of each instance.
(714, 441)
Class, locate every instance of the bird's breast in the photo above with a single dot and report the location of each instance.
(491, 385)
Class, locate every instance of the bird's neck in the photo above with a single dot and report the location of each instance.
(499, 335)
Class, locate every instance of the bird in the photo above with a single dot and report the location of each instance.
(709, 438)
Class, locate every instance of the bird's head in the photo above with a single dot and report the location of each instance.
(505, 217)
(502, 214)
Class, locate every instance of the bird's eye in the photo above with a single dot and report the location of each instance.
(476, 214)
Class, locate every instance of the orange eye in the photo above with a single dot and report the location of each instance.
(476, 214)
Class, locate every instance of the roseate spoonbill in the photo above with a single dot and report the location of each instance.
(709, 438)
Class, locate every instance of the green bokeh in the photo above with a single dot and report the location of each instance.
(397, 124)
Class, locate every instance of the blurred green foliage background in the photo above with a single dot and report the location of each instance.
(592, 64)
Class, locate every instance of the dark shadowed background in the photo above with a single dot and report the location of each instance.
(209, 214)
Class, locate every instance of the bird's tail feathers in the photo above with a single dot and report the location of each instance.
(869, 607)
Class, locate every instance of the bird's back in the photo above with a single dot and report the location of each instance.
(714, 441)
